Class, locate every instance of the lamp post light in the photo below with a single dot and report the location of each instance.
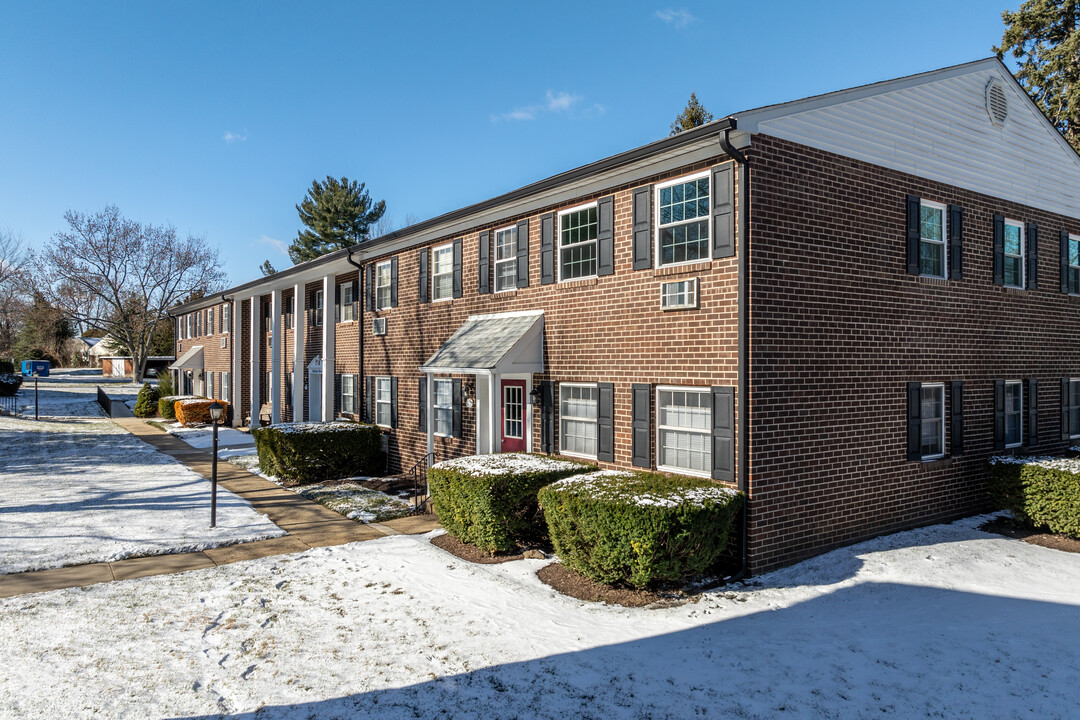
(215, 418)
(35, 374)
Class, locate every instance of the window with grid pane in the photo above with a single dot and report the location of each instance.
(1074, 265)
(577, 419)
(226, 386)
(226, 318)
(348, 297)
(348, 394)
(1014, 413)
(683, 220)
(932, 239)
(383, 399)
(1014, 254)
(1074, 407)
(444, 407)
(383, 279)
(932, 400)
(506, 259)
(684, 422)
(318, 307)
(442, 272)
(577, 243)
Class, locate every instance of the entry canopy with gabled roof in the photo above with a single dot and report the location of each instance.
(191, 360)
(502, 343)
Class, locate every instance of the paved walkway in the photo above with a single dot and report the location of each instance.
(307, 523)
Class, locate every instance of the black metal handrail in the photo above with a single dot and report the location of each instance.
(104, 401)
(415, 472)
(8, 403)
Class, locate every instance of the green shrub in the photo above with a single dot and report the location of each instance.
(302, 453)
(167, 405)
(7, 367)
(146, 404)
(614, 526)
(490, 500)
(1041, 490)
(10, 384)
(165, 383)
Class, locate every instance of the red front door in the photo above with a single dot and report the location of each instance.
(513, 416)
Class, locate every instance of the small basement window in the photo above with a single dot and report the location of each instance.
(679, 295)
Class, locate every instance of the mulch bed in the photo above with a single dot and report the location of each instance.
(455, 547)
(1010, 528)
(570, 582)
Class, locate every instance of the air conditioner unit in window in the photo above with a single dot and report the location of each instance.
(378, 326)
(224, 342)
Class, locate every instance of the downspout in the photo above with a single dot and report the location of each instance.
(360, 295)
(743, 423)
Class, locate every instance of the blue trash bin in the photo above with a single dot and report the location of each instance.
(40, 366)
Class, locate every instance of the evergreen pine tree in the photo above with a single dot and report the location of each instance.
(693, 114)
(146, 404)
(337, 215)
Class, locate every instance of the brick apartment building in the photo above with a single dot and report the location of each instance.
(842, 305)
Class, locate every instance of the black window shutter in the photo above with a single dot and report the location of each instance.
(999, 249)
(523, 254)
(485, 263)
(723, 434)
(369, 398)
(393, 281)
(605, 236)
(641, 439)
(914, 421)
(605, 414)
(337, 394)
(547, 417)
(1066, 431)
(370, 287)
(1032, 256)
(422, 402)
(914, 233)
(356, 395)
(456, 393)
(422, 282)
(723, 214)
(1032, 391)
(999, 414)
(457, 268)
(1065, 261)
(956, 417)
(956, 242)
(393, 402)
(337, 302)
(642, 219)
(547, 249)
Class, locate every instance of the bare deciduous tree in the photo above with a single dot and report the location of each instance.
(122, 276)
(15, 263)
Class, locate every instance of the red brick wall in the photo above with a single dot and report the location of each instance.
(838, 328)
(216, 359)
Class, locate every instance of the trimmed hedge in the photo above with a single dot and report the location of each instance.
(490, 500)
(146, 405)
(10, 384)
(303, 453)
(196, 411)
(639, 528)
(167, 405)
(1041, 490)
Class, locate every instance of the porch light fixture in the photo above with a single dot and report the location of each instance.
(534, 396)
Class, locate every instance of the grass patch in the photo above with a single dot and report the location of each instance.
(356, 502)
(158, 424)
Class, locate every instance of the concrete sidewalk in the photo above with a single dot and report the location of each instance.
(307, 523)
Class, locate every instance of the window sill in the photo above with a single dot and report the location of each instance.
(666, 270)
(577, 455)
(681, 471)
(583, 282)
(931, 280)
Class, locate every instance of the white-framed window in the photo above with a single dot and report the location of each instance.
(933, 248)
(268, 387)
(226, 318)
(1074, 408)
(191, 325)
(348, 302)
(198, 324)
(444, 408)
(932, 432)
(287, 313)
(679, 294)
(384, 278)
(442, 272)
(578, 403)
(578, 229)
(226, 386)
(684, 430)
(348, 394)
(384, 397)
(1074, 265)
(210, 385)
(318, 307)
(1014, 254)
(210, 317)
(1014, 413)
(682, 220)
(506, 259)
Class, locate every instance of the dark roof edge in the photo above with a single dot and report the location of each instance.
(594, 168)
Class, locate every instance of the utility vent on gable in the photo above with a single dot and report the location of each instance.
(997, 103)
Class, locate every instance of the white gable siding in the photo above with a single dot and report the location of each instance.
(939, 129)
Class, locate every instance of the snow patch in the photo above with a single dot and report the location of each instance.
(506, 464)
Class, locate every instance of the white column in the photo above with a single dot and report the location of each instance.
(430, 412)
(329, 319)
(299, 370)
(256, 347)
(275, 357)
(495, 423)
(237, 365)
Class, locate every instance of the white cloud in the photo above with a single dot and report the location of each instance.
(554, 102)
(679, 18)
(279, 245)
(558, 102)
(231, 137)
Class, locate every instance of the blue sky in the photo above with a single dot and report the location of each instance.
(216, 117)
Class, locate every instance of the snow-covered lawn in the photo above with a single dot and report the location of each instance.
(78, 489)
(231, 442)
(945, 622)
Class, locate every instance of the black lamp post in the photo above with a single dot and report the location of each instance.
(215, 418)
(35, 373)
